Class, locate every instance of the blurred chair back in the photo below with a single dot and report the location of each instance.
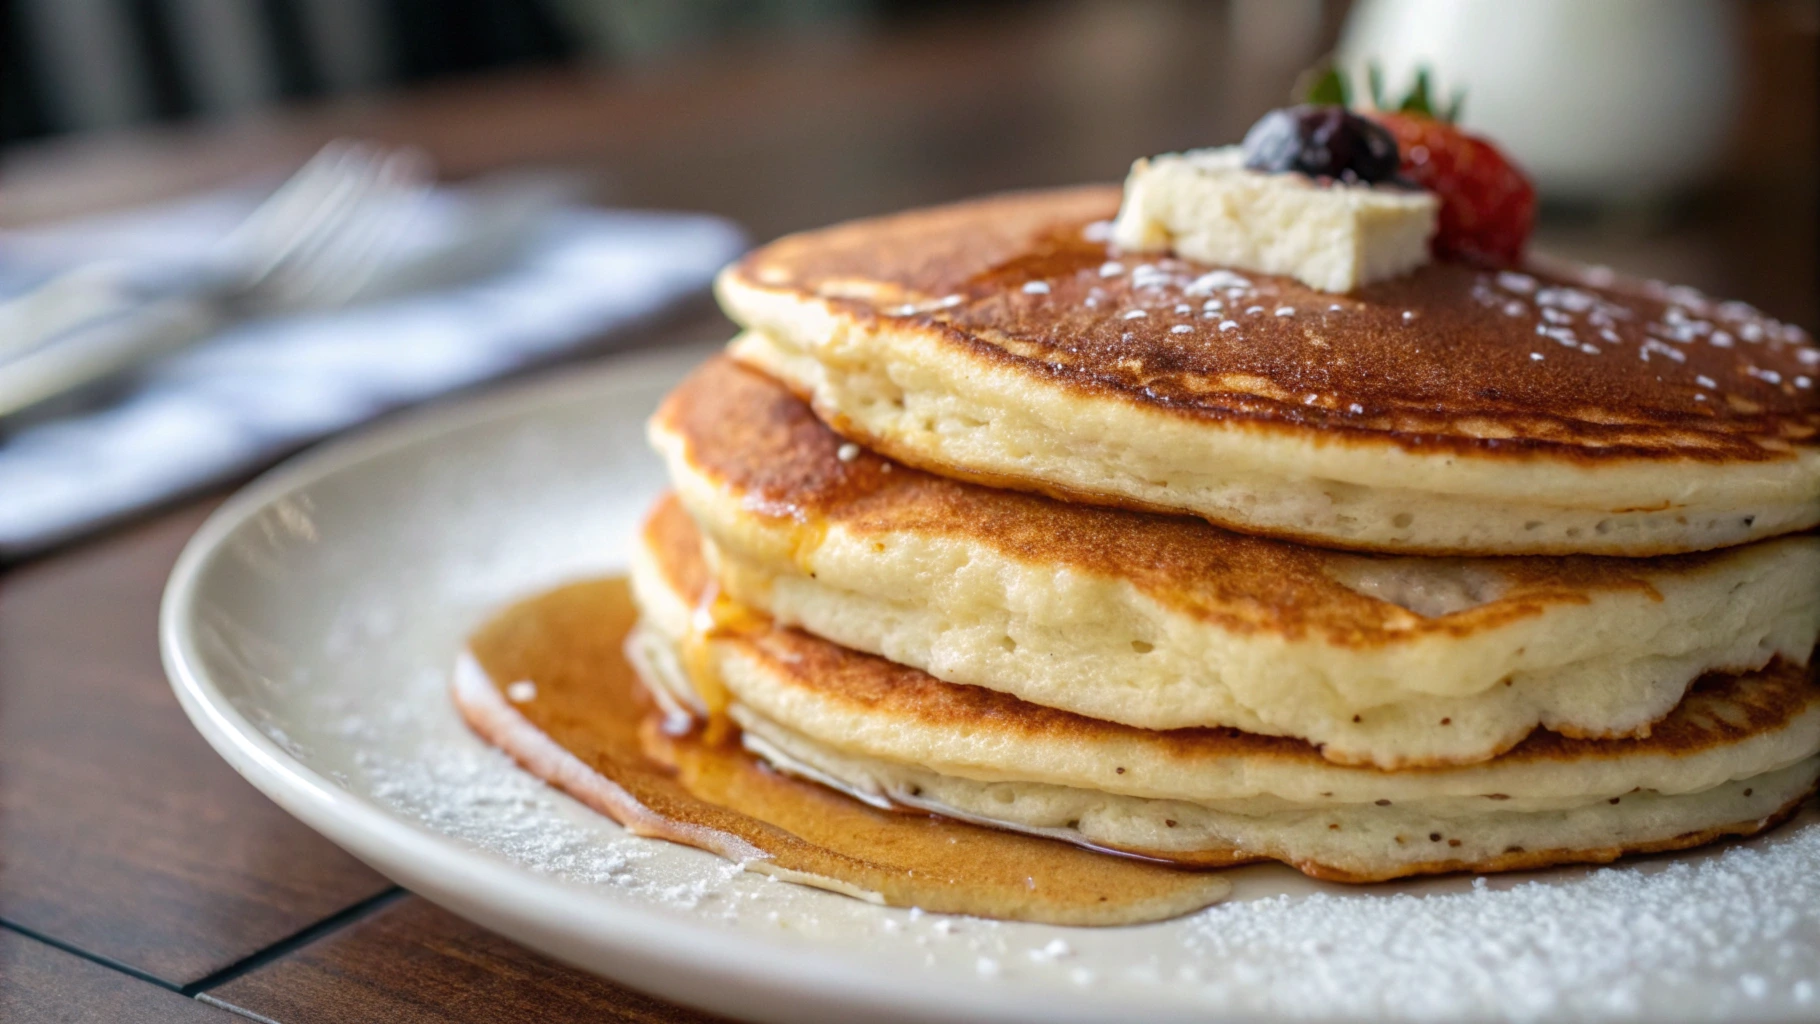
(76, 65)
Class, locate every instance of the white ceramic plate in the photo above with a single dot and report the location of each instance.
(310, 627)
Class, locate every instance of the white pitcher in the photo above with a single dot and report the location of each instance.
(1598, 100)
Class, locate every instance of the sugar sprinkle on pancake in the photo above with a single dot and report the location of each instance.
(1454, 410)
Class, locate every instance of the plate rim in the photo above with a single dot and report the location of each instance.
(800, 978)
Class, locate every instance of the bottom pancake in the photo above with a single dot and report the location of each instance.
(1365, 844)
(1737, 757)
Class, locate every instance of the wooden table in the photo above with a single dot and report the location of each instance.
(141, 879)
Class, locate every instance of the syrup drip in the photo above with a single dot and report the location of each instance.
(712, 613)
(702, 789)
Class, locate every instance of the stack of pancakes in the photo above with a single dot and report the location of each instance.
(1468, 570)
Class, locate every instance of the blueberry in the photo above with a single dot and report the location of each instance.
(1322, 142)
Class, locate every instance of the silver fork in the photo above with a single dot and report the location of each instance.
(316, 242)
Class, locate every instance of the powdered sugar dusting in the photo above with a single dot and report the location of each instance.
(477, 795)
(1632, 942)
(1572, 315)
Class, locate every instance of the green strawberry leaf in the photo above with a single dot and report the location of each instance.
(1454, 106)
(1417, 102)
(1325, 86)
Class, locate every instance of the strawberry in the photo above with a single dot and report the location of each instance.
(1487, 205)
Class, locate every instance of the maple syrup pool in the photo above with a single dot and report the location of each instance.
(547, 680)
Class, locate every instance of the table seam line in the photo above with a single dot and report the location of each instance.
(240, 1011)
(94, 958)
(290, 944)
(239, 968)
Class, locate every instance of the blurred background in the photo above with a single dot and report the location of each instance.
(1671, 138)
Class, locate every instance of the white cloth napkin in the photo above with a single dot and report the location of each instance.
(263, 388)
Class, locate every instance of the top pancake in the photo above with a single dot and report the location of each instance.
(1453, 410)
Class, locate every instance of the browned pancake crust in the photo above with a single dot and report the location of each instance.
(765, 447)
(1631, 369)
(1720, 709)
(1517, 858)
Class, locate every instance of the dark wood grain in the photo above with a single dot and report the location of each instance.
(414, 963)
(39, 983)
(121, 832)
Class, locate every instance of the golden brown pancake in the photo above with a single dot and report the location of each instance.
(1454, 410)
(1737, 755)
(1167, 622)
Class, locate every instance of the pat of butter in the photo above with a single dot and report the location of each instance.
(1205, 206)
